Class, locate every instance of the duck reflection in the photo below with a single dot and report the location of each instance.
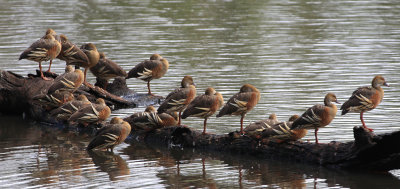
(111, 163)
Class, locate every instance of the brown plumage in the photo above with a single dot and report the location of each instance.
(204, 106)
(149, 109)
(151, 69)
(365, 99)
(317, 116)
(110, 135)
(70, 81)
(107, 69)
(153, 120)
(180, 98)
(91, 114)
(45, 49)
(54, 99)
(282, 131)
(93, 56)
(257, 127)
(241, 103)
(72, 54)
(64, 112)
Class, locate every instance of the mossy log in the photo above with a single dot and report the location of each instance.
(367, 151)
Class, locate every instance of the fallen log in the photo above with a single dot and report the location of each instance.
(367, 151)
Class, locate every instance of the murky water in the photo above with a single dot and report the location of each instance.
(294, 52)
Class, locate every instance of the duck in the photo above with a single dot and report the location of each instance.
(94, 113)
(45, 49)
(257, 127)
(148, 70)
(93, 56)
(107, 69)
(204, 106)
(241, 103)
(64, 112)
(55, 99)
(71, 54)
(149, 109)
(111, 135)
(180, 98)
(365, 99)
(282, 131)
(317, 116)
(153, 120)
(69, 81)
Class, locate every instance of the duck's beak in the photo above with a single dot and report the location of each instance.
(387, 85)
(337, 101)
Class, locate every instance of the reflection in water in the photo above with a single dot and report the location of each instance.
(110, 163)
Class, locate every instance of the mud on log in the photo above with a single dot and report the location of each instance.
(367, 151)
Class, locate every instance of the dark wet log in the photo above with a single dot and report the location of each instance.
(367, 151)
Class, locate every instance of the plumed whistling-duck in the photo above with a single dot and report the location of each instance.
(72, 54)
(110, 135)
(180, 98)
(151, 69)
(55, 99)
(149, 109)
(241, 103)
(107, 69)
(45, 49)
(365, 99)
(153, 120)
(257, 127)
(91, 114)
(93, 56)
(204, 106)
(282, 131)
(64, 112)
(70, 81)
(317, 116)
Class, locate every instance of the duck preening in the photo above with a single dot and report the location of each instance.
(107, 69)
(91, 114)
(317, 116)
(365, 99)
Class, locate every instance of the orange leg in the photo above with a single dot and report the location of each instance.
(179, 118)
(84, 78)
(241, 125)
(205, 126)
(51, 61)
(148, 88)
(316, 137)
(41, 73)
(363, 123)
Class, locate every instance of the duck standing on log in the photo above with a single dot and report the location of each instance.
(204, 106)
(110, 135)
(365, 99)
(241, 103)
(317, 116)
(107, 69)
(93, 56)
(91, 114)
(180, 98)
(45, 49)
(64, 112)
(151, 69)
(71, 54)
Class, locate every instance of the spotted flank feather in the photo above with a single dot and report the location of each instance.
(146, 74)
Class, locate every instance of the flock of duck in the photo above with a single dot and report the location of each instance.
(179, 104)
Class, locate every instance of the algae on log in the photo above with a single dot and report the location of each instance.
(367, 151)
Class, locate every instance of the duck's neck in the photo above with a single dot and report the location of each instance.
(329, 103)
